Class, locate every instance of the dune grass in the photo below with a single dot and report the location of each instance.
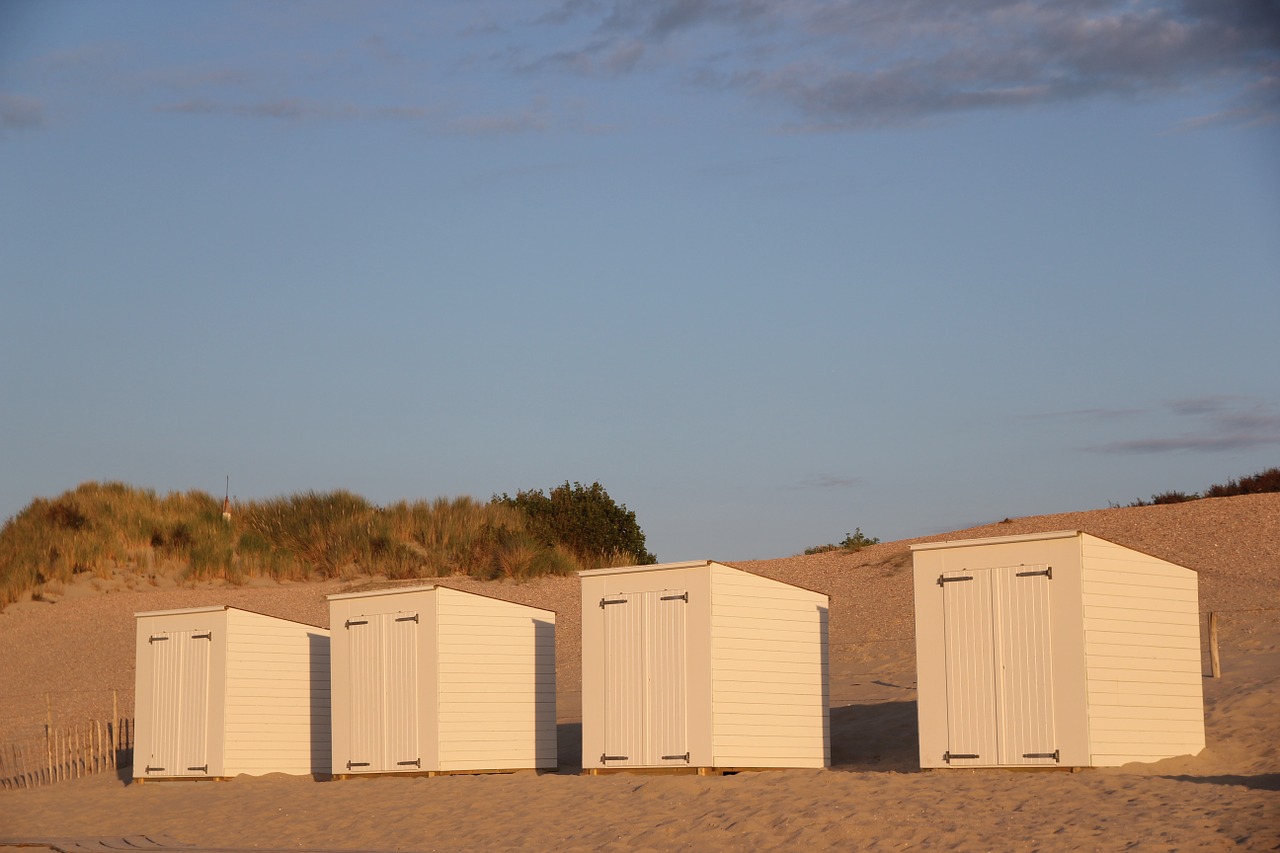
(113, 527)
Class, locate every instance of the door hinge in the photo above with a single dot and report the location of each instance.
(605, 601)
(413, 618)
(942, 579)
(156, 639)
(351, 764)
(351, 622)
(684, 596)
(204, 769)
(948, 756)
(151, 769)
(208, 635)
(417, 762)
(1055, 755)
(604, 758)
(684, 758)
(1048, 573)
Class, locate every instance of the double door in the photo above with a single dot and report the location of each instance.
(177, 739)
(646, 697)
(382, 659)
(999, 667)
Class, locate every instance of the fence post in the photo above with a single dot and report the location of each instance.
(1214, 663)
(48, 732)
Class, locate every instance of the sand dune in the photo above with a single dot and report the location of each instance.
(1228, 797)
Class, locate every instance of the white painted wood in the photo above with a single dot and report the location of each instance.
(1025, 705)
(970, 655)
(741, 682)
(770, 673)
(1103, 660)
(237, 693)
(467, 682)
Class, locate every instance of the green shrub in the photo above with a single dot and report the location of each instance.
(855, 541)
(584, 520)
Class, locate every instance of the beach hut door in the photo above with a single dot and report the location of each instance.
(645, 707)
(998, 667)
(179, 737)
(970, 663)
(1025, 684)
(383, 655)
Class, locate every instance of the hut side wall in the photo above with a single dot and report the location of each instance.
(277, 696)
(1142, 651)
(497, 682)
(770, 673)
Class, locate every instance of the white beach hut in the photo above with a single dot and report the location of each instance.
(433, 680)
(1054, 649)
(222, 691)
(701, 666)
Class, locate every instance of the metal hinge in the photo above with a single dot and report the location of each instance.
(1054, 755)
(605, 601)
(684, 758)
(206, 636)
(351, 622)
(413, 618)
(351, 764)
(948, 756)
(942, 579)
(604, 758)
(156, 639)
(151, 769)
(1048, 573)
(204, 769)
(684, 596)
(417, 762)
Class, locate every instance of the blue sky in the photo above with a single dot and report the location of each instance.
(767, 271)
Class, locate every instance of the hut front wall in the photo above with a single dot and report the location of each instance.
(770, 673)
(181, 666)
(497, 684)
(277, 696)
(384, 682)
(1142, 651)
(973, 711)
(617, 713)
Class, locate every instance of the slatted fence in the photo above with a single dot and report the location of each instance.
(93, 746)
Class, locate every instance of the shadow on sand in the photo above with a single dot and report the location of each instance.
(881, 736)
(1261, 782)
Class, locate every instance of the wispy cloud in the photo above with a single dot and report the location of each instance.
(1221, 423)
(294, 109)
(829, 481)
(1086, 415)
(19, 113)
(868, 63)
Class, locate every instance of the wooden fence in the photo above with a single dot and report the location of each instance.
(91, 747)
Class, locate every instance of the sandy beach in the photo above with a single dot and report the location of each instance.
(73, 656)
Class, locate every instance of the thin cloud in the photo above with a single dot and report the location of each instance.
(294, 109)
(1086, 414)
(19, 113)
(1224, 423)
(829, 482)
(876, 63)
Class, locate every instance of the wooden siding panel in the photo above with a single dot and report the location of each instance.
(277, 690)
(495, 707)
(769, 673)
(1142, 655)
